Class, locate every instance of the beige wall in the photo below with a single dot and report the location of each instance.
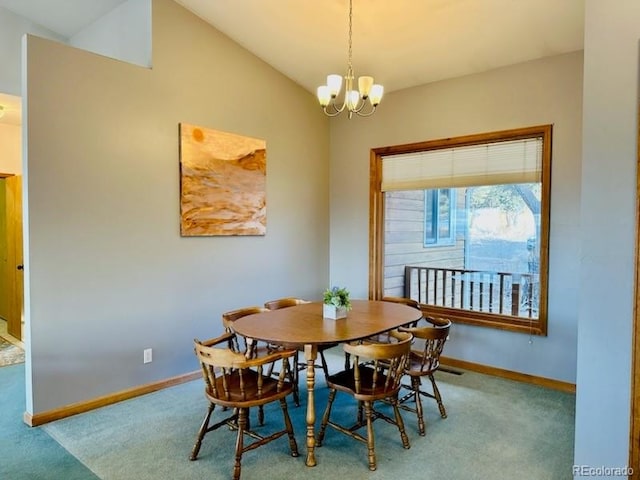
(608, 222)
(109, 274)
(547, 91)
(12, 29)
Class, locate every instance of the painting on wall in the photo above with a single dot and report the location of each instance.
(222, 183)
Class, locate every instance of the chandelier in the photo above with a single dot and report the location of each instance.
(355, 101)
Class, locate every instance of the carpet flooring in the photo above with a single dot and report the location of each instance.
(496, 429)
(10, 354)
(29, 453)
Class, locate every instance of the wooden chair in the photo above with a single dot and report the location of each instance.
(286, 302)
(384, 337)
(375, 375)
(249, 347)
(238, 383)
(405, 301)
(423, 363)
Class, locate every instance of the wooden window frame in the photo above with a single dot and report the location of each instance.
(376, 227)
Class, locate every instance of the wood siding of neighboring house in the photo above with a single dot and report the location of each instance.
(404, 238)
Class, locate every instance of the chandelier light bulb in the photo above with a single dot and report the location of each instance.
(364, 85)
(353, 97)
(324, 95)
(334, 82)
(376, 94)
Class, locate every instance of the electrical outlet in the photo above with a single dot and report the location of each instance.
(148, 355)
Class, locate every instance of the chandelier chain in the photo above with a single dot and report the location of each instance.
(350, 66)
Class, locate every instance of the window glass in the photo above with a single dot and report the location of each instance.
(474, 248)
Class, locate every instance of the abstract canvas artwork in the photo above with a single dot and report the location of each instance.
(222, 183)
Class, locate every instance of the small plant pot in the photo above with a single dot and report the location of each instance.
(333, 312)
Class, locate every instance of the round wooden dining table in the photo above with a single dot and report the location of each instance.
(305, 324)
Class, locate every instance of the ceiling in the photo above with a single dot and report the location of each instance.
(402, 43)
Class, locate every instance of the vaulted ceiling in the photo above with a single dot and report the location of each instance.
(402, 43)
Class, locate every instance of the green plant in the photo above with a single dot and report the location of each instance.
(338, 297)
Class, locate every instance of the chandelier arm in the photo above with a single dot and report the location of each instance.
(359, 107)
(368, 114)
(330, 114)
(336, 111)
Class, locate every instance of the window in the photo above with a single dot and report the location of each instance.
(461, 225)
(439, 210)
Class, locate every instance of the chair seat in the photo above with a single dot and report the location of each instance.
(250, 396)
(416, 365)
(345, 382)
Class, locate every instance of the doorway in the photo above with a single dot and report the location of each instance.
(11, 254)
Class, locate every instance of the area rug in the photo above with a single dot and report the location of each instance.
(10, 354)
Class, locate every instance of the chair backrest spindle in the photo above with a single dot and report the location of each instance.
(385, 360)
(434, 337)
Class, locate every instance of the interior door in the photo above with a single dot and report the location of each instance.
(15, 256)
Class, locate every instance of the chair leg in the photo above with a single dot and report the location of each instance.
(295, 378)
(242, 425)
(368, 411)
(400, 423)
(325, 367)
(436, 394)
(260, 417)
(234, 422)
(201, 432)
(415, 386)
(287, 425)
(325, 417)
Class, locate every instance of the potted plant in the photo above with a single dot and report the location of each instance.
(336, 303)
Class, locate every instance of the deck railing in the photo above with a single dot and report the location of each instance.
(504, 293)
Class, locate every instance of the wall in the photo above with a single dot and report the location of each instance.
(547, 91)
(124, 33)
(12, 28)
(405, 239)
(107, 271)
(10, 149)
(607, 235)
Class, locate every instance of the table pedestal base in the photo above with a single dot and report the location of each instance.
(310, 355)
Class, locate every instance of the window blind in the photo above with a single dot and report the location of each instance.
(513, 161)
